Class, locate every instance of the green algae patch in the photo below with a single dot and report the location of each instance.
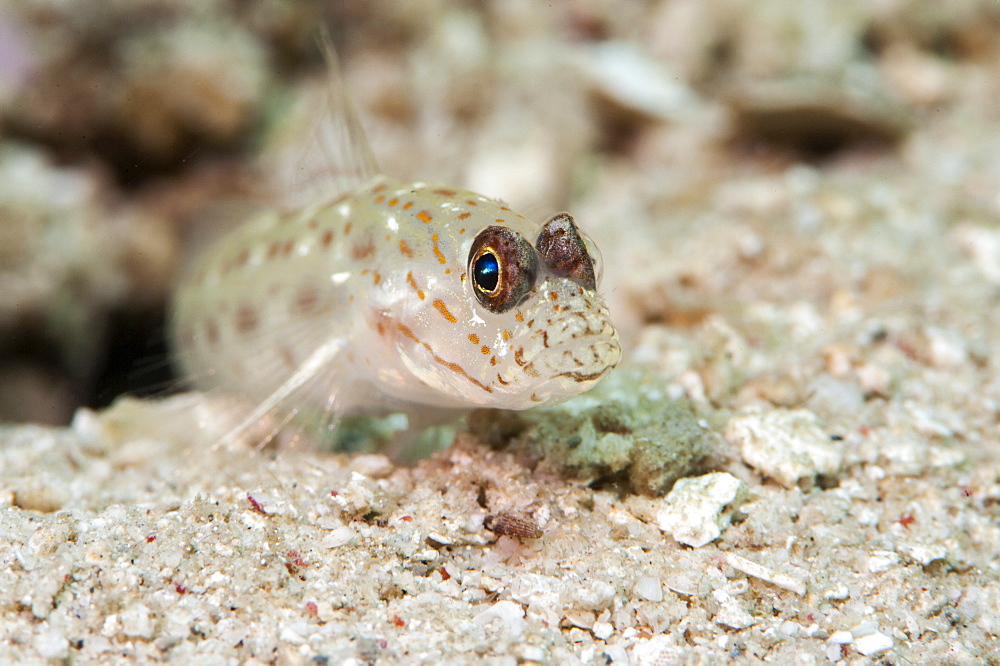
(629, 429)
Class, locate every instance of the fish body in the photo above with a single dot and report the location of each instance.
(393, 294)
(384, 273)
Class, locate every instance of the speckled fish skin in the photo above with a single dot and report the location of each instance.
(384, 272)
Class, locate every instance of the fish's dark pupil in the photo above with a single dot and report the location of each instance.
(486, 272)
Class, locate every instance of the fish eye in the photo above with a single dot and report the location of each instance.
(503, 266)
(486, 271)
(594, 252)
(565, 252)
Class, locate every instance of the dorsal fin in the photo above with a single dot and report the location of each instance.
(333, 156)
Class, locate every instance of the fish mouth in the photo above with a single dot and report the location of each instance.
(580, 361)
(567, 344)
(580, 377)
(560, 372)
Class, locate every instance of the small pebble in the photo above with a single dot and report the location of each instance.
(787, 445)
(696, 508)
(603, 630)
(873, 644)
(51, 644)
(136, 622)
(649, 589)
(510, 614)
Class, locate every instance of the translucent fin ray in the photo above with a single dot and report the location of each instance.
(308, 370)
(333, 156)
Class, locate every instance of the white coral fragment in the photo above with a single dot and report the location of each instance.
(787, 445)
(696, 508)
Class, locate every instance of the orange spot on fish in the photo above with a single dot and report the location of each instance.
(393, 201)
(465, 215)
(413, 283)
(473, 338)
(405, 249)
(485, 350)
(437, 250)
(408, 206)
(443, 309)
(519, 356)
(445, 193)
(424, 216)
